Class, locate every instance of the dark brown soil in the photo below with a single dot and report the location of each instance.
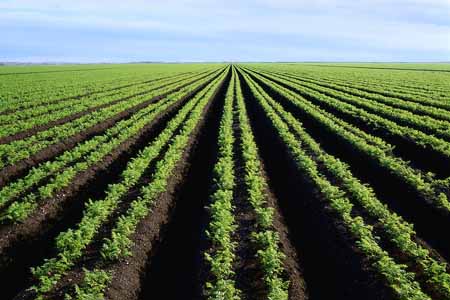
(148, 237)
(59, 213)
(398, 255)
(326, 91)
(389, 188)
(380, 232)
(249, 275)
(297, 285)
(171, 272)
(422, 157)
(322, 258)
(129, 273)
(19, 169)
(333, 267)
(401, 258)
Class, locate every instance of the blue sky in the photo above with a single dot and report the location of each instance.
(233, 30)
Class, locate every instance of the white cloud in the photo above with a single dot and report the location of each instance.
(409, 25)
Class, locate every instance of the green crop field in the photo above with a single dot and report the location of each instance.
(225, 181)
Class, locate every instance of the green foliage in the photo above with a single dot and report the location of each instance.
(398, 231)
(72, 243)
(401, 281)
(221, 255)
(94, 283)
(120, 243)
(91, 152)
(408, 108)
(266, 239)
(372, 147)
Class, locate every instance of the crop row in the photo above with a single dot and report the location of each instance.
(381, 155)
(71, 243)
(71, 163)
(387, 109)
(18, 150)
(44, 113)
(22, 91)
(118, 246)
(266, 236)
(221, 254)
(422, 87)
(265, 181)
(436, 109)
(88, 106)
(309, 158)
(400, 232)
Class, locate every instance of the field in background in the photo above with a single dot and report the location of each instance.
(217, 181)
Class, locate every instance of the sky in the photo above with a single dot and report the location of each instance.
(90, 31)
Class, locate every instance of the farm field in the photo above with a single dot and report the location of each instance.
(225, 181)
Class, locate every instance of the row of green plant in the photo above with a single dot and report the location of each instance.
(18, 150)
(391, 84)
(220, 255)
(372, 140)
(120, 243)
(31, 112)
(420, 182)
(401, 281)
(417, 107)
(36, 90)
(75, 161)
(433, 273)
(425, 92)
(265, 236)
(121, 240)
(72, 243)
(401, 116)
(415, 87)
(19, 91)
(36, 174)
(14, 124)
